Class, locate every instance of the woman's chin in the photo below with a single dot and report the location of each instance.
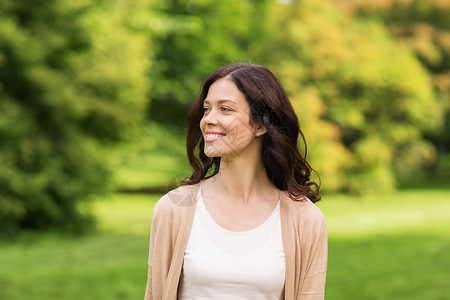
(212, 153)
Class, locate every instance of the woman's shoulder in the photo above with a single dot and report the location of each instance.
(304, 208)
(177, 199)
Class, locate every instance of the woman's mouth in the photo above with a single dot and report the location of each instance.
(211, 137)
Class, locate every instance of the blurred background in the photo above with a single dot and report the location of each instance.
(93, 99)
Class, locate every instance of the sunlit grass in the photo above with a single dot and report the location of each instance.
(389, 266)
(409, 211)
(128, 214)
(150, 170)
(94, 267)
(391, 247)
(110, 264)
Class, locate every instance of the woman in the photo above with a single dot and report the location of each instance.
(243, 226)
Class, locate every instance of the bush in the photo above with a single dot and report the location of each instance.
(364, 101)
(68, 87)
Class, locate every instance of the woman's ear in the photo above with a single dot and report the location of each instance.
(260, 130)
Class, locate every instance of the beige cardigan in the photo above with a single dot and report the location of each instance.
(304, 239)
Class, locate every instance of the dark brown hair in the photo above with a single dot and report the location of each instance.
(269, 107)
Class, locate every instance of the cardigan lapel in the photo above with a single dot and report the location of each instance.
(288, 246)
(181, 242)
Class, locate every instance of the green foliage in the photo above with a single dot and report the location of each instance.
(193, 38)
(66, 83)
(369, 80)
(364, 101)
(154, 157)
(423, 26)
(366, 104)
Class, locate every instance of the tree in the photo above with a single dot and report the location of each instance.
(72, 80)
(193, 38)
(367, 102)
(423, 26)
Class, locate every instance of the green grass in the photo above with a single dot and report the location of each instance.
(150, 170)
(110, 264)
(393, 247)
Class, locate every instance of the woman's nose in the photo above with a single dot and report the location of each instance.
(211, 117)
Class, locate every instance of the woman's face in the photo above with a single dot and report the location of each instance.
(225, 124)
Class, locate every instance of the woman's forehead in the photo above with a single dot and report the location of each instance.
(219, 101)
(224, 90)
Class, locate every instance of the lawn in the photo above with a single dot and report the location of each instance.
(393, 247)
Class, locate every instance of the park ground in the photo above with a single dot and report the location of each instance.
(394, 246)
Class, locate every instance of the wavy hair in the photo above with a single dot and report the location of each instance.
(270, 107)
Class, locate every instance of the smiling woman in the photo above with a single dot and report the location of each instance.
(244, 225)
(226, 122)
(266, 108)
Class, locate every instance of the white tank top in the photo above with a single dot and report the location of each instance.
(223, 264)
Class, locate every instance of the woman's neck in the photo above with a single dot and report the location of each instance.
(243, 179)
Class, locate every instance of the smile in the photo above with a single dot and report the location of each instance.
(211, 137)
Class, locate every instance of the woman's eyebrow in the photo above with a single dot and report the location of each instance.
(219, 101)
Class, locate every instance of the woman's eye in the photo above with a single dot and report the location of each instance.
(225, 108)
(205, 109)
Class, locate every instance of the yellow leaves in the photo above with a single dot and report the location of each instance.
(415, 154)
(372, 151)
(326, 153)
(361, 98)
(370, 170)
(422, 42)
(442, 4)
(443, 38)
(329, 158)
(291, 73)
(442, 81)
